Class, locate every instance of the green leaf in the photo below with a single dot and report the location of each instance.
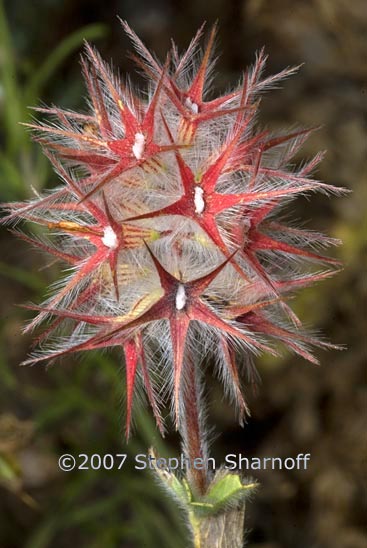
(12, 184)
(43, 535)
(33, 281)
(8, 379)
(225, 490)
(179, 490)
(12, 112)
(227, 487)
(7, 471)
(94, 510)
(58, 55)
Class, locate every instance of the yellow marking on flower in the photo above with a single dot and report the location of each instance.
(202, 239)
(152, 166)
(127, 273)
(198, 176)
(147, 167)
(70, 226)
(141, 306)
(134, 207)
(91, 128)
(133, 181)
(189, 135)
(185, 132)
(154, 235)
(163, 166)
(133, 242)
(134, 235)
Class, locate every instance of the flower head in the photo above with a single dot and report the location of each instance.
(166, 218)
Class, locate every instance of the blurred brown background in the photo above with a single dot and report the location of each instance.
(299, 408)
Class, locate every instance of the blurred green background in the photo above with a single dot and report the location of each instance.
(77, 406)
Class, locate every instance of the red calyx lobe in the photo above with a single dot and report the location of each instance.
(192, 308)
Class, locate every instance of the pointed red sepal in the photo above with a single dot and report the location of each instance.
(289, 285)
(193, 308)
(93, 343)
(260, 323)
(179, 325)
(263, 242)
(189, 101)
(67, 257)
(127, 117)
(127, 156)
(113, 262)
(205, 314)
(210, 177)
(81, 299)
(230, 364)
(236, 310)
(81, 138)
(261, 272)
(96, 96)
(132, 357)
(148, 385)
(196, 89)
(198, 286)
(149, 118)
(166, 279)
(84, 271)
(276, 141)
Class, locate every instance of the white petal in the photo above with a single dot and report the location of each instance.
(109, 238)
(180, 297)
(192, 106)
(199, 200)
(139, 145)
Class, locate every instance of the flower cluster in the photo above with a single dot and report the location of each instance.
(167, 220)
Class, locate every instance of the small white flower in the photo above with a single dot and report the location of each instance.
(199, 200)
(109, 238)
(180, 297)
(191, 105)
(138, 146)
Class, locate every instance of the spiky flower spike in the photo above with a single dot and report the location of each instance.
(166, 219)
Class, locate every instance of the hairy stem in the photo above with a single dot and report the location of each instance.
(224, 530)
(193, 432)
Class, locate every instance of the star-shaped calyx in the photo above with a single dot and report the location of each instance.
(107, 236)
(189, 100)
(133, 351)
(202, 203)
(95, 145)
(180, 303)
(254, 233)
